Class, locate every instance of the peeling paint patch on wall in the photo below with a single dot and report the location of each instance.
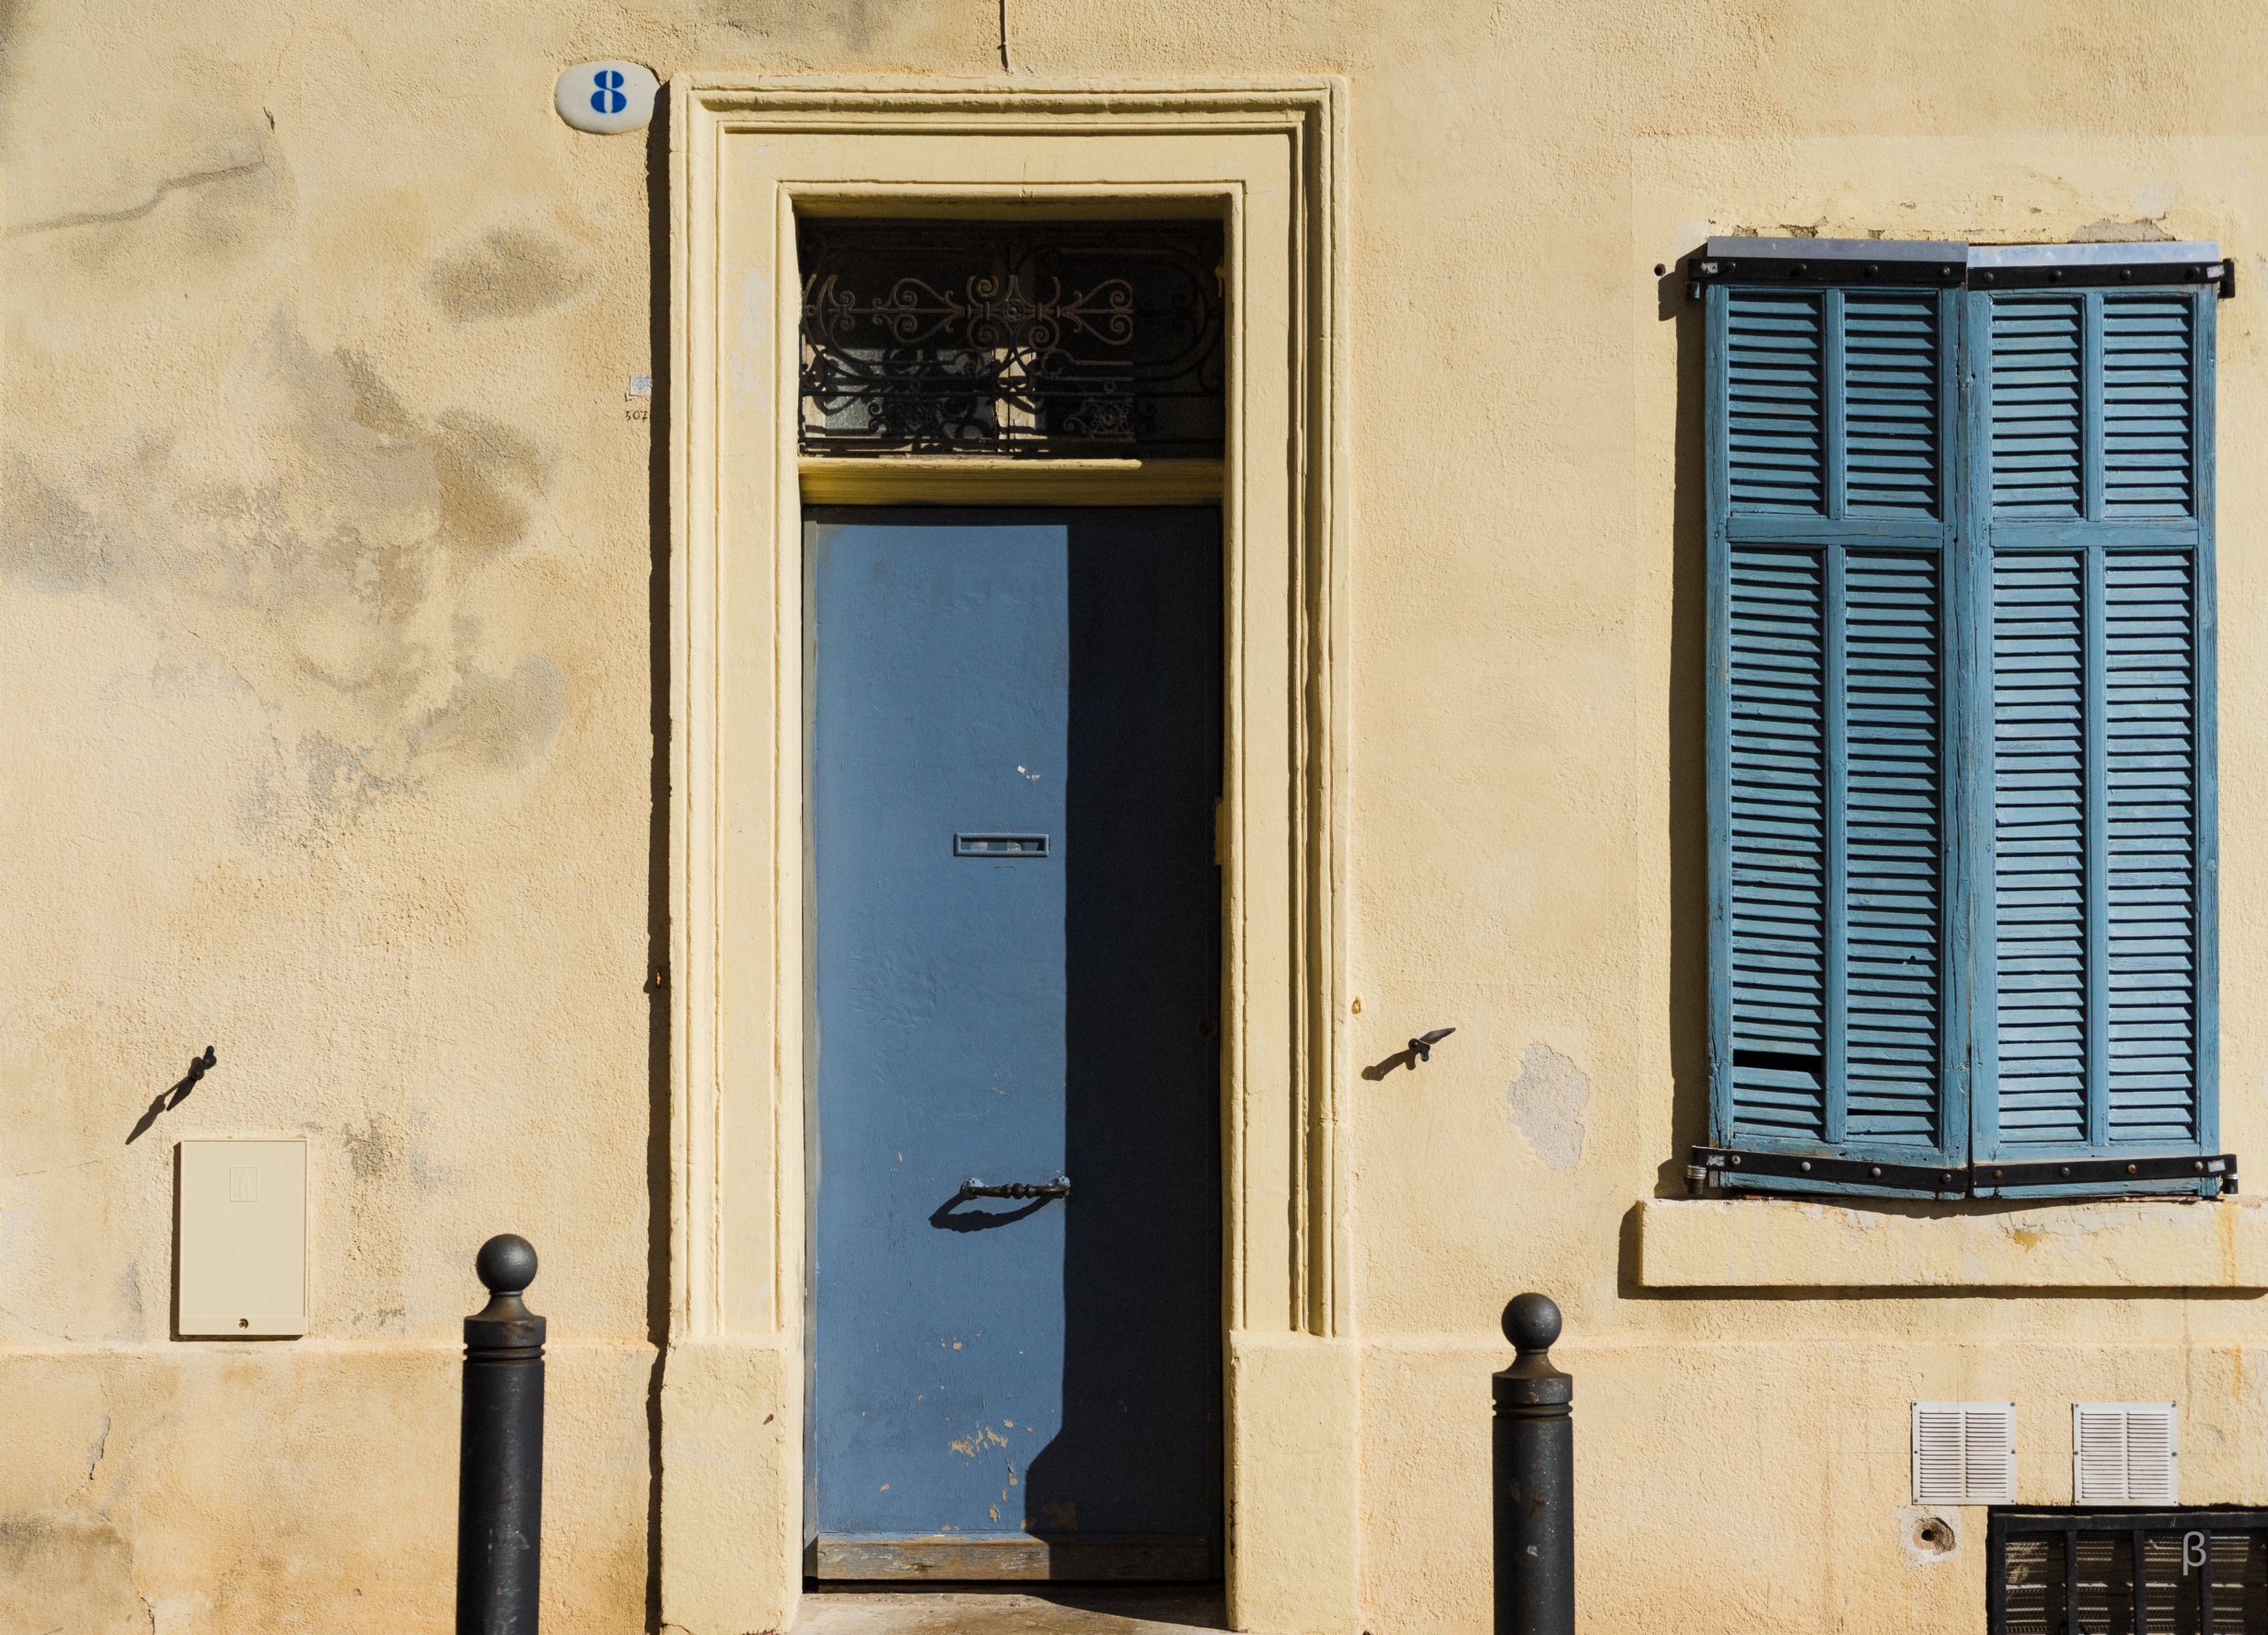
(1548, 1101)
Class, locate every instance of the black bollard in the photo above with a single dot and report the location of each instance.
(500, 1457)
(1534, 1455)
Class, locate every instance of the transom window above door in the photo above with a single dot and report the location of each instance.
(1047, 339)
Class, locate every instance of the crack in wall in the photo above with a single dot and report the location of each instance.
(94, 1453)
(174, 184)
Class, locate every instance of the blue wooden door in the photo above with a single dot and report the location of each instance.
(1014, 751)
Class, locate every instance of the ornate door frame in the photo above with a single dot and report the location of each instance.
(746, 154)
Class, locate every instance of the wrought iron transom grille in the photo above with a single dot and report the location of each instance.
(2128, 1572)
(1050, 338)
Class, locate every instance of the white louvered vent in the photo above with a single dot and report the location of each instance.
(2125, 1453)
(1965, 1453)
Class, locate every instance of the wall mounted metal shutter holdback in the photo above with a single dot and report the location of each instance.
(1960, 707)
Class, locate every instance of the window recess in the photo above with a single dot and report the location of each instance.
(1961, 702)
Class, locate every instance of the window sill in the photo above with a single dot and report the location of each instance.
(1782, 1244)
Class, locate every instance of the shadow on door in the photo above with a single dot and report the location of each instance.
(1141, 1259)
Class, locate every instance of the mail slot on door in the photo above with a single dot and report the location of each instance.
(1000, 845)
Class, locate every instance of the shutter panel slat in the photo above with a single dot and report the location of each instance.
(1777, 828)
(2036, 409)
(1829, 767)
(2039, 818)
(1893, 844)
(2098, 774)
(1776, 422)
(1828, 763)
(2150, 700)
(2147, 387)
(1891, 422)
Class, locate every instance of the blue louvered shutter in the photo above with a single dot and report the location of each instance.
(1829, 546)
(2092, 412)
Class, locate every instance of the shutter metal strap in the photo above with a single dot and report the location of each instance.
(1727, 1168)
(1944, 264)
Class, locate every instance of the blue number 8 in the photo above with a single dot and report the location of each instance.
(608, 98)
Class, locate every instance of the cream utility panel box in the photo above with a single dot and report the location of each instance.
(242, 1267)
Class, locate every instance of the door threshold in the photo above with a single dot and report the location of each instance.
(954, 1557)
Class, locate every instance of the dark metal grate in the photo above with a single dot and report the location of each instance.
(2128, 1572)
(1018, 338)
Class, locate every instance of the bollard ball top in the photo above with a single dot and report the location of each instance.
(507, 1265)
(1532, 1322)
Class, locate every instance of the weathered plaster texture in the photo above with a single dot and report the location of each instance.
(327, 624)
(289, 1487)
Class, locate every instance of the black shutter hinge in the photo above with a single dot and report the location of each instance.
(1737, 1169)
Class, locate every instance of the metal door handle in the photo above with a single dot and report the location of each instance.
(1059, 1187)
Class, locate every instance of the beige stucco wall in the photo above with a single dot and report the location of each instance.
(327, 654)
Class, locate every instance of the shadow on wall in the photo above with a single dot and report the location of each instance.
(176, 1094)
(1689, 726)
(657, 837)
